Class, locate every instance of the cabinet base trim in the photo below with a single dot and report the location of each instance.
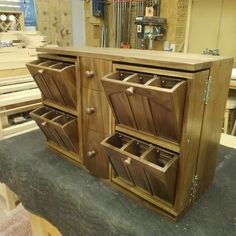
(148, 138)
(73, 157)
(162, 205)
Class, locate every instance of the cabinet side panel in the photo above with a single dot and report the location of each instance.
(194, 108)
(212, 124)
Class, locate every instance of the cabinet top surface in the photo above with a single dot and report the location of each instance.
(181, 61)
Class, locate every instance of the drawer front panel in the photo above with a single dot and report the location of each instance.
(95, 110)
(59, 128)
(92, 70)
(94, 157)
(143, 165)
(56, 80)
(151, 104)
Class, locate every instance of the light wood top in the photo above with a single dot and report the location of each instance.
(181, 61)
(232, 84)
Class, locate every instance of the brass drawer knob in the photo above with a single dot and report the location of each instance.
(91, 153)
(44, 123)
(130, 91)
(41, 71)
(128, 161)
(89, 74)
(90, 110)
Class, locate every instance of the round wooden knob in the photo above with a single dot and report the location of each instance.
(128, 161)
(91, 153)
(89, 74)
(44, 123)
(41, 71)
(130, 91)
(90, 110)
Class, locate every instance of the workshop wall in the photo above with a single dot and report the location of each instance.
(214, 28)
(54, 18)
(174, 10)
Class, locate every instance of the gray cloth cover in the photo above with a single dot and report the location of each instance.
(80, 204)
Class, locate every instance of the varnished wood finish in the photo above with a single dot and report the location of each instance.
(212, 125)
(147, 107)
(97, 69)
(59, 128)
(188, 135)
(56, 80)
(61, 108)
(179, 61)
(95, 110)
(144, 166)
(194, 110)
(94, 158)
(71, 156)
(175, 147)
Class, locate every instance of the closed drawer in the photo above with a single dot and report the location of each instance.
(58, 127)
(95, 111)
(143, 165)
(147, 102)
(56, 81)
(94, 156)
(92, 70)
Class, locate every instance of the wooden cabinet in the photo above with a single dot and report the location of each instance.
(160, 137)
(151, 103)
(94, 157)
(95, 112)
(58, 127)
(58, 118)
(56, 81)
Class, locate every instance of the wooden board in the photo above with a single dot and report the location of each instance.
(212, 125)
(179, 61)
(41, 227)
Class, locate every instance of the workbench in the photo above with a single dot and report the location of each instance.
(80, 204)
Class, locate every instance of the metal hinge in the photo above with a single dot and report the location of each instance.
(207, 90)
(194, 187)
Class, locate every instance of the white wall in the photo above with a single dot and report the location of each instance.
(78, 23)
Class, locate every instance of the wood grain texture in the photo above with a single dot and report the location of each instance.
(194, 110)
(150, 109)
(95, 111)
(56, 80)
(41, 227)
(96, 163)
(212, 124)
(99, 68)
(179, 61)
(143, 166)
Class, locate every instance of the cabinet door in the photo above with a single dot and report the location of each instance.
(145, 166)
(56, 80)
(95, 111)
(147, 107)
(92, 70)
(94, 158)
